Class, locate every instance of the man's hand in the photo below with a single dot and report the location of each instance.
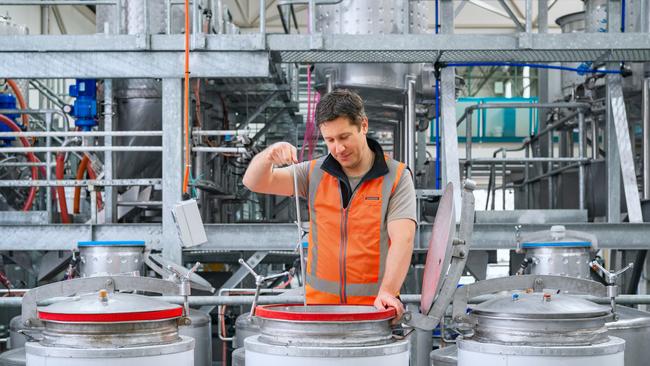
(282, 153)
(386, 300)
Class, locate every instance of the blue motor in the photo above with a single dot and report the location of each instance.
(8, 101)
(84, 109)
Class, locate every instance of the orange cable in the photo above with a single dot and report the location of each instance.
(186, 119)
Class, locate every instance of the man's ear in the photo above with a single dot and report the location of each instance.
(364, 125)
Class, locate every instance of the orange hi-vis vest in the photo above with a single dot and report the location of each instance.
(348, 243)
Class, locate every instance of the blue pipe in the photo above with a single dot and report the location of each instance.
(579, 70)
(622, 16)
(437, 125)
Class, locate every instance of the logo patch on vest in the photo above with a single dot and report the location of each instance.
(372, 198)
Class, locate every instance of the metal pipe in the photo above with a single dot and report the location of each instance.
(529, 160)
(581, 154)
(221, 132)
(139, 203)
(529, 16)
(25, 164)
(233, 150)
(81, 183)
(262, 17)
(329, 83)
(646, 137)
(594, 138)
(78, 148)
(312, 16)
(80, 133)
(110, 196)
(294, 299)
(58, 2)
(409, 131)
(48, 168)
(468, 144)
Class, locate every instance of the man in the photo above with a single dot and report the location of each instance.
(361, 205)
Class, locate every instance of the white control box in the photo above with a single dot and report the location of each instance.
(189, 223)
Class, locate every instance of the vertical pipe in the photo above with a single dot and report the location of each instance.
(329, 83)
(219, 14)
(312, 16)
(172, 160)
(93, 203)
(48, 168)
(549, 170)
(526, 176)
(646, 137)
(409, 131)
(168, 7)
(529, 16)
(262, 17)
(145, 10)
(468, 144)
(437, 127)
(594, 138)
(503, 181)
(109, 198)
(581, 154)
(196, 18)
(118, 17)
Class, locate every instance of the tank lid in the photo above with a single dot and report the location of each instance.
(540, 306)
(105, 307)
(112, 243)
(324, 313)
(557, 244)
(439, 252)
(557, 237)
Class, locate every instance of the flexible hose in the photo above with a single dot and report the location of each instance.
(30, 156)
(84, 166)
(60, 190)
(21, 100)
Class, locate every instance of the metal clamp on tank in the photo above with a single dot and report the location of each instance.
(610, 278)
(91, 284)
(259, 281)
(446, 258)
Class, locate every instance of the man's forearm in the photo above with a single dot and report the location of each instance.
(259, 172)
(398, 262)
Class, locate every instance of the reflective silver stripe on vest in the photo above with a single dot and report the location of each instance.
(352, 289)
(314, 181)
(386, 190)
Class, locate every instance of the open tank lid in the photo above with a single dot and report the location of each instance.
(166, 269)
(105, 307)
(440, 250)
(324, 313)
(540, 305)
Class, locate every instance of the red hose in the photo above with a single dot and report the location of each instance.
(21, 100)
(84, 166)
(60, 191)
(30, 156)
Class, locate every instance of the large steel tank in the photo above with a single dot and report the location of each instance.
(558, 252)
(447, 356)
(200, 329)
(245, 326)
(107, 328)
(571, 23)
(13, 357)
(99, 258)
(540, 329)
(319, 335)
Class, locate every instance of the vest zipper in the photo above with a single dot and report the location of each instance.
(344, 247)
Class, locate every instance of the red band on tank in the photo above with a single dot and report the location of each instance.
(269, 312)
(112, 318)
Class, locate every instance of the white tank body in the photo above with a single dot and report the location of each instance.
(607, 354)
(180, 354)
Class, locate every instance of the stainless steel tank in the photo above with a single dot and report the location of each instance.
(633, 326)
(245, 326)
(99, 258)
(13, 357)
(239, 357)
(108, 328)
(540, 329)
(200, 329)
(447, 356)
(325, 335)
(381, 85)
(571, 23)
(558, 252)
(16, 328)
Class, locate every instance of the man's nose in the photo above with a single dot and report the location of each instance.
(339, 148)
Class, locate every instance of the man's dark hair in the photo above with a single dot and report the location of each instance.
(340, 103)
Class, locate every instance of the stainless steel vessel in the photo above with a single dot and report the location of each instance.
(245, 326)
(13, 357)
(98, 258)
(634, 327)
(559, 252)
(104, 328)
(447, 356)
(200, 329)
(325, 335)
(545, 329)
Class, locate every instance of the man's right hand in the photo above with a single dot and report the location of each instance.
(282, 153)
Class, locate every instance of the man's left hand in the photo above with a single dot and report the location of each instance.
(385, 300)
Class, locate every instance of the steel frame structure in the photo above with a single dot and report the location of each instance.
(115, 56)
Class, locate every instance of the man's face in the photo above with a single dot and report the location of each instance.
(345, 141)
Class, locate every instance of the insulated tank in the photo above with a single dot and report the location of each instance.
(13, 357)
(558, 252)
(98, 258)
(200, 329)
(111, 328)
(447, 356)
(320, 335)
(540, 329)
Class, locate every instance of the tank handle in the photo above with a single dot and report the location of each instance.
(536, 282)
(91, 284)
